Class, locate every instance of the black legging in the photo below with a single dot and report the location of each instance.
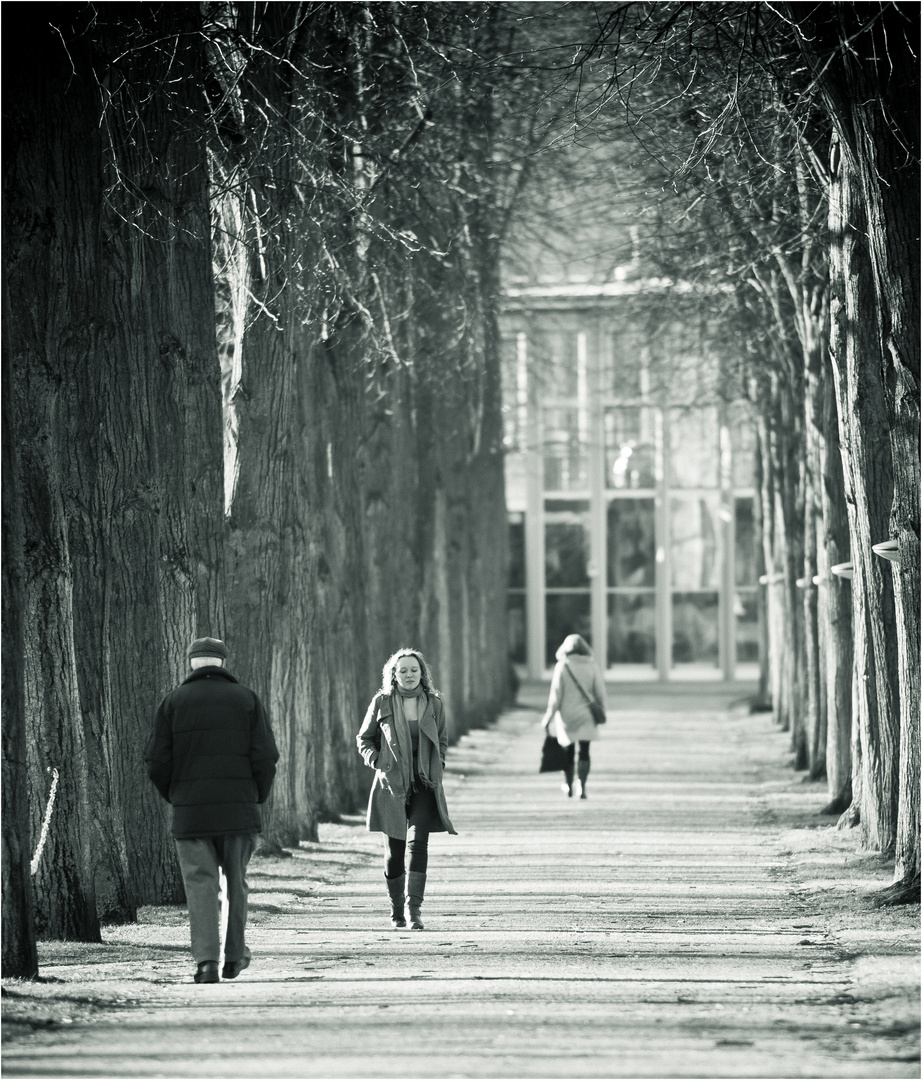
(395, 852)
(570, 751)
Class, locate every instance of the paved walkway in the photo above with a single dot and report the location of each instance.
(652, 930)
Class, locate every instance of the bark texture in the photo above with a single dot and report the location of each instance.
(782, 539)
(156, 520)
(866, 69)
(814, 644)
(52, 192)
(20, 956)
(117, 392)
(868, 470)
(835, 607)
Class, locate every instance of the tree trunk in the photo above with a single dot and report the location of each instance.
(763, 694)
(836, 608)
(261, 590)
(884, 153)
(814, 703)
(337, 679)
(276, 558)
(127, 383)
(850, 817)
(155, 536)
(52, 197)
(20, 956)
(867, 467)
(389, 470)
(64, 882)
(773, 576)
(783, 543)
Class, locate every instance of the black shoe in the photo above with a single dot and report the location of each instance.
(233, 967)
(207, 972)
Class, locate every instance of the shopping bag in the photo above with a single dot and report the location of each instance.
(553, 756)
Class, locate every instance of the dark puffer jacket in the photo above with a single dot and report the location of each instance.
(212, 755)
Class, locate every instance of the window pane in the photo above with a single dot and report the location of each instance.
(513, 438)
(631, 542)
(630, 448)
(632, 629)
(516, 551)
(516, 482)
(680, 369)
(694, 628)
(566, 544)
(553, 358)
(745, 543)
(693, 527)
(565, 506)
(566, 466)
(516, 624)
(566, 614)
(742, 444)
(694, 438)
(626, 366)
(746, 611)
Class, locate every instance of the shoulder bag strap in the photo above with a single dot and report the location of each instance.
(582, 689)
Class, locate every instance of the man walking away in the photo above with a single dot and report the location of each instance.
(212, 756)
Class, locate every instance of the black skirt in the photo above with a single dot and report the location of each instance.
(423, 811)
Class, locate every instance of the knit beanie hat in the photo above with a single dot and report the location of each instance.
(207, 646)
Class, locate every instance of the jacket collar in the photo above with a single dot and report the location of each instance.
(209, 673)
(426, 720)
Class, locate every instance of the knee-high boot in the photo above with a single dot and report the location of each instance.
(582, 771)
(395, 891)
(416, 889)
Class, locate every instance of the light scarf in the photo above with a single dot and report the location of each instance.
(404, 697)
(405, 740)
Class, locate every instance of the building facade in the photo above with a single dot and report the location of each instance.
(629, 479)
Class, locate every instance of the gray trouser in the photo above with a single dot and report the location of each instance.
(200, 860)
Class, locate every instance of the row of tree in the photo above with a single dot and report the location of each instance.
(775, 157)
(251, 384)
(250, 389)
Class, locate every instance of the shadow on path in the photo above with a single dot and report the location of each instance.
(671, 925)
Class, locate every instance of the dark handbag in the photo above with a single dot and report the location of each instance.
(595, 709)
(553, 756)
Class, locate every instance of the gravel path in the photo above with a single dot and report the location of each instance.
(655, 929)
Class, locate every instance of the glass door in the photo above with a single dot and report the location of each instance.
(631, 581)
(694, 550)
(566, 572)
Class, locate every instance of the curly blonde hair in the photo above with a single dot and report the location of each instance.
(389, 672)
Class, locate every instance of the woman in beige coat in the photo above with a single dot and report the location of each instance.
(404, 739)
(575, 681)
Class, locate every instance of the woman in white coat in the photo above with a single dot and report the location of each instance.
(576, 682)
